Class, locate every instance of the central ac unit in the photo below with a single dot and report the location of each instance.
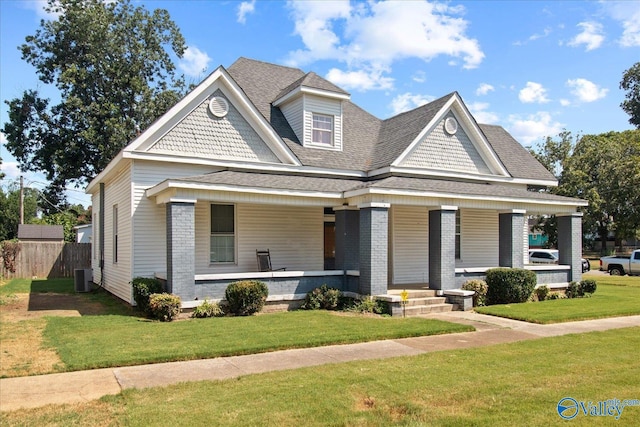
(83, 279)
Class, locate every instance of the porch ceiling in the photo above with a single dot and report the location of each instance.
(341, 190)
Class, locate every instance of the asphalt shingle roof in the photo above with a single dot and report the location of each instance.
(368, 142)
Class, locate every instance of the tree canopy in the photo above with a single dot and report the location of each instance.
(112, 64)
(631, 84)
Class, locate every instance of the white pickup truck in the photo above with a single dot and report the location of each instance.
(621, 265)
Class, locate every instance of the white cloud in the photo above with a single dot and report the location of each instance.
(38, 7)
(533, 92)
(586, 91)
(373, 35)
(565, 102)
(419, 77)
(591, 36)
(359, 80)
(408, 101)
(478, 110)
(628, 14)
(11, 170)
(245, 8)
(533, 127)
(194, 62)
(484, 89)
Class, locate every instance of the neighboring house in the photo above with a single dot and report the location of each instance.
(261, 156)
(83, 233)
(40, 233)
(537, 239)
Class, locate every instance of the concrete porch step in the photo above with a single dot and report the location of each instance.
(425, 301)
(413, 293)
(415, 310)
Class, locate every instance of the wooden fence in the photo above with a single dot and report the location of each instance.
(48, 260)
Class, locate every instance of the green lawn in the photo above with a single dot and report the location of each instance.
(615, 296)
(25, 286)
(517, 384)
(103, 341)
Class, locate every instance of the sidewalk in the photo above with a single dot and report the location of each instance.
(82, 386)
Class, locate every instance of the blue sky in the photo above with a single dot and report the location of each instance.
(535, 67)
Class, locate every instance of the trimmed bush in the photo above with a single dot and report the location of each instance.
(480, 289)
(367, 305)
(588, 286)
(542, 292)
(574, 290)
(164, 307)
(324, 298)
(207, 309)
(557, 295)
(509, 285)
(143, 287)
(246, 297)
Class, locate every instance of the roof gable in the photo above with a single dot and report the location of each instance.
(464, 150)
(203, 134)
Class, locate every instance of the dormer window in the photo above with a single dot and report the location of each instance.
(322, 130)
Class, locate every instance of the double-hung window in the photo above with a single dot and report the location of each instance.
(322, 129)
(223, 235)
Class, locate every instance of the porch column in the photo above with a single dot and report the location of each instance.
(374, 243)
(181, 265)
(511, 242)
(347, 238)
(442, 248)
(570, 243)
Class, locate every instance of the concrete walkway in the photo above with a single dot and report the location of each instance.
(82, 386)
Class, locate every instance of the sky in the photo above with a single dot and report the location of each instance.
(534, 67)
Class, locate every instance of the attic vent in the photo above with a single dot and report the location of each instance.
(218, 106)
(450, 125)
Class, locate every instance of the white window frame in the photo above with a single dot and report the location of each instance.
(115, 234)
(458, 233)
(224, 234)
(324, 131)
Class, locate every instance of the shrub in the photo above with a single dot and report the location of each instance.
(557, 295)
(207, 309)
(143, 287)
(588, 286)
(574, 290)
(246, 297)
(368, 305)
(324, 297)
(542, 292)
(164, 307)
(480, 289)
(509, 285)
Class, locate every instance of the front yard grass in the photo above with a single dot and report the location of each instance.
(105, 341)
(510, 384)
(111, 334)
(615, 296)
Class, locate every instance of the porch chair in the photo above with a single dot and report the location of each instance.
(264, 261)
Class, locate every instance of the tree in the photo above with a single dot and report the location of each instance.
(605, 170)
(111, 63)
(553, 155)
(631, 83)
(10, 210)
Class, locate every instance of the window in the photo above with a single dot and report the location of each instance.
(115, 233)
(223, 237)
(458, 234)
(322, 129)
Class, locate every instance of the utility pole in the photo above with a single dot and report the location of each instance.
(21, 199)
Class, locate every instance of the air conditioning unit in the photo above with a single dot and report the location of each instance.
(83, 279)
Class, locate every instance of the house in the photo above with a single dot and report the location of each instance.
(261, 156)
(40, 233)
(84, 233)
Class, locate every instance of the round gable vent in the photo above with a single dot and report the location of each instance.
(450, 125)
(218, 106)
